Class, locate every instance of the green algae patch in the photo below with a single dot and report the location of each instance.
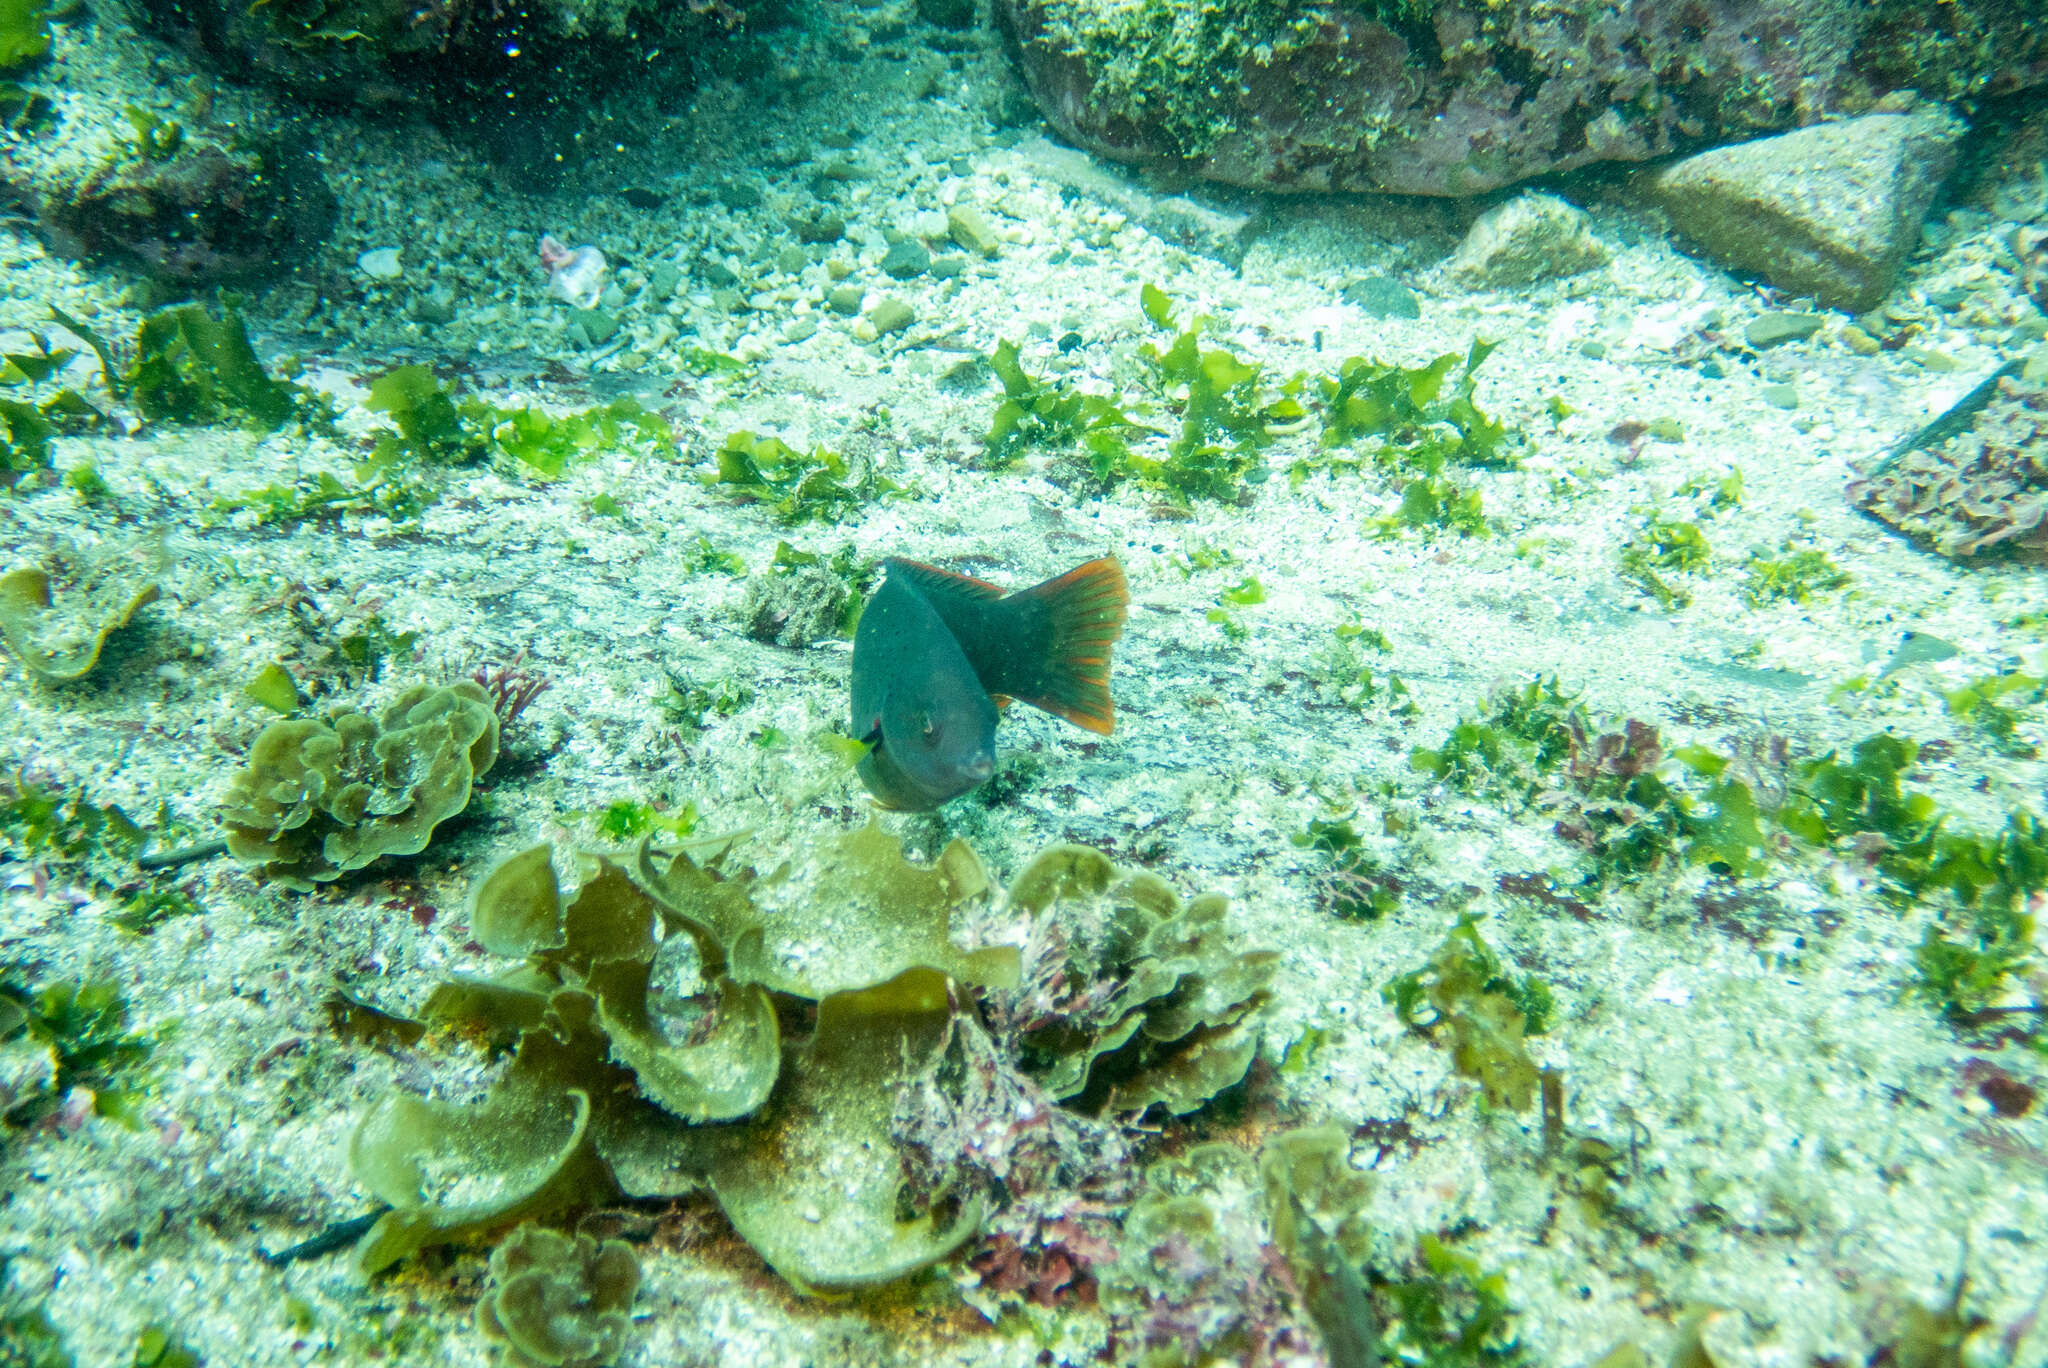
(191, 367)
(451, 1171)
(1485, 1010)
(56, 617)
(863, 915)
(322, 797)
(559, 1300)
(1180, 1026)
(816, 1185)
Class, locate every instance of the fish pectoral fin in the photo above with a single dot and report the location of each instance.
(873, 740)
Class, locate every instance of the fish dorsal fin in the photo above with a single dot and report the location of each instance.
(1083, 612)
(932, 580)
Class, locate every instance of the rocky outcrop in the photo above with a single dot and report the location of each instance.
(1827, 212)
(1457, 97)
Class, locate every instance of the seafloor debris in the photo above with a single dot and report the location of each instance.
(1979, 493)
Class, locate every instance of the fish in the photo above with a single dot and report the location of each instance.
(936, 653)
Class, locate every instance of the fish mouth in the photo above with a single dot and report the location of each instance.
(979, 768)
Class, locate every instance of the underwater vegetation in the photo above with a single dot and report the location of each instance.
(1977, 494)
(558, 1301)
(56, 617)
(321, 797)
(66, 1052)
(796, 487)
(659, 997)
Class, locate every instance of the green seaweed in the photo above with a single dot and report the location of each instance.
(1451, 1313)
(1994, 704)
(191, 367)
(1486, 1010)
(156, 138)
(1521, 735)
(319, 798)
(24, 32)
(1226, 419)
(59, 636)
(29, 1340)
(558, 1301)
(1058, 416)
(1665, 547)
(156, 1347)
(83, 1025)
(796, 487)
(1353, 882)
(1795, 575)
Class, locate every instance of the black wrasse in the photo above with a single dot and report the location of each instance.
(935, 651)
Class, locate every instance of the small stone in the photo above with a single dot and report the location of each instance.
(1380, 297)
(1784, 396)
(435, 307)
(792, 260)
(1773, 329)
(839, 268)
(598, 326)
(1859, 341)
(381, 263)
(738, 195)
(716, 273)
(728, 301)
(1929, 359)
(864, 331)
(826, 227)
(1593, 351)
(1530, 238)
(906, 260)
(970, 228)
(845, 299)
(891, 315)
(949, 267)
(799, 328)
(662, 279)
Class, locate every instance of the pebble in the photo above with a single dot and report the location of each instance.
(738, 195)
(823, 228)
(970, 228)
(949, 267)
(1859, 341)
(845, 300)
(381, 263)
(1784, 396)
(1380, 297)
(891, 315)
(792, 260)
(906, 260)
(1771, 329)
(799, 328)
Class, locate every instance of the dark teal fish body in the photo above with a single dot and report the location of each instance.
(934, 651)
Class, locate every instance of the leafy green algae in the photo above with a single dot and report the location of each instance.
(319, 798)
(559, 1301)
(56, 617)
(647, 1025)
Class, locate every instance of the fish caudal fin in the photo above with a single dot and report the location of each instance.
(1084, 611)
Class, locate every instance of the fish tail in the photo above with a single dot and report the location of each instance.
(1084, 610)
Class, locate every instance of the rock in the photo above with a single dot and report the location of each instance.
(1771, 329)
(1458, 97)
(844, 300)
(1859, 341)
(213, 212)
(1527, 239)
(1784, 395)
(1828, 211)
(906, 260)
(949, 267)
(822, 227)
(381, 263)
(1213, 230)
(950, 14)
(970, 228)
(1379, 297)
(891, 315)
(738, 194)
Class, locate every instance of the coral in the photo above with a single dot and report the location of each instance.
(652, 1002)
(320, 798)
(57, 619)
(1982, 493)
(1457, 97)
(558, 1301)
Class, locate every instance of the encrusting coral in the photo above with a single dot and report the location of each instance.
(320, 798)
(653, 1000)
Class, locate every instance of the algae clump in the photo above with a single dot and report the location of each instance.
(320, 798)
(559, 1300)
(647, 1022)
(57, 617)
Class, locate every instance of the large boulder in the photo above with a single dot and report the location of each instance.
(1828, 211)
(1457, 97)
